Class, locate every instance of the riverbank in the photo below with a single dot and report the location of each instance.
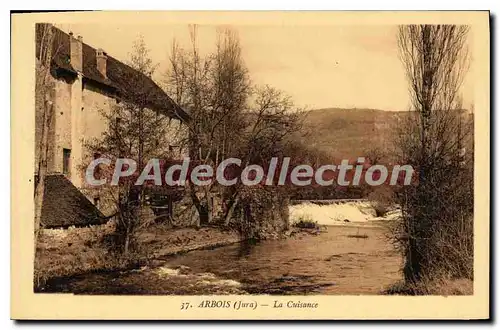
(74, 251)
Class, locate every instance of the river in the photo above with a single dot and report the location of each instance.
(347, 260)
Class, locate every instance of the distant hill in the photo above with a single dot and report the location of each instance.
(350, 133)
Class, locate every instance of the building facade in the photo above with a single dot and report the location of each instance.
(86, 82)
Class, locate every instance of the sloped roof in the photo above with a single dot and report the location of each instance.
(127, 82)
(64, 205)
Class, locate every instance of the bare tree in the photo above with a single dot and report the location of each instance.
(137, 130)
(46, 50)
(432, 138)
(375, 155)
(229, 117)
(214, 89)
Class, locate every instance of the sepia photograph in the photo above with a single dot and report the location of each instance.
(289, 159)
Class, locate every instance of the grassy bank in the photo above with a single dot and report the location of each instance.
(439, 287)
(72, 251)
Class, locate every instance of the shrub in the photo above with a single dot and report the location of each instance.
(437, 237)
(382, 199)
(262, 212)
(443, 286)
(306, 222)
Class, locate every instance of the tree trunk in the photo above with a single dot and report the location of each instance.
(210, 204)
(127, 242)
(39, 194)
(413, 265)
(42, 166)
(230, 212)
(43, 93)
(202, 214)
(210, 209)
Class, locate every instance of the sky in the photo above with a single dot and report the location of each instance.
(321, 66)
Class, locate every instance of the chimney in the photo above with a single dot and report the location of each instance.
(101, 59)
(76, 52)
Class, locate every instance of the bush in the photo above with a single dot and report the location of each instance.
(382, 199)
(262, 212)
(436, 235)
(443, 286)
(306, 222)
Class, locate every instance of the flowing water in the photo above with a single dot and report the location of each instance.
(346, 260)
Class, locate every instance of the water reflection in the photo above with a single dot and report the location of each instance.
(246, 247)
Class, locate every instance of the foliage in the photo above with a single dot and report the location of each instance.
(382, 199)
(262, 212)
(305, 221)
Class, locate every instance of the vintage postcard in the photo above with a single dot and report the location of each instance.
(250, 165)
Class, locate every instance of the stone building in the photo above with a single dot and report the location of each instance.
(84, 82)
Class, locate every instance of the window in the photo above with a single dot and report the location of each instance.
(66, 160)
